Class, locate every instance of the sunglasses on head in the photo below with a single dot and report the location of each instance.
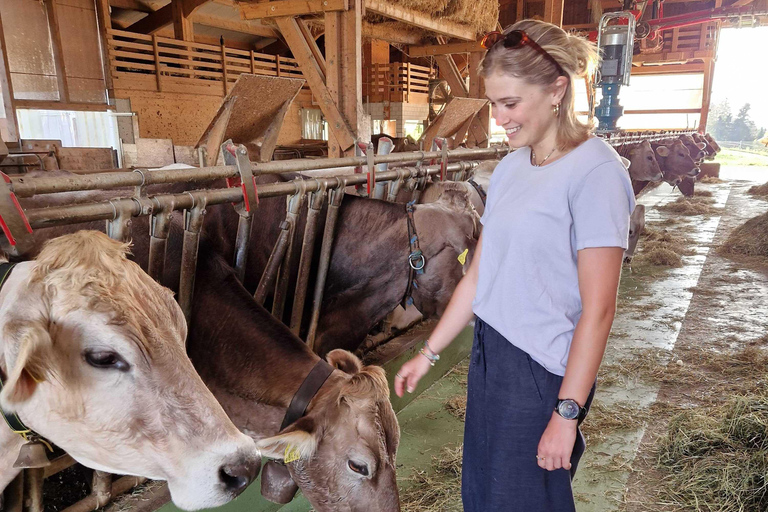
(517, 39)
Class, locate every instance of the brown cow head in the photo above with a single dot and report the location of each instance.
(675, 161)
(712, 142)
(94, 353)
(643, 164)
(686, 186)
(696, 149)
(708, 148)
(346, 443)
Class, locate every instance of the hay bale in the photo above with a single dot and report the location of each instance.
(759, 190)
(660, 257)
(718, 457)
(481, 15)
(691, 206)
(749, 239)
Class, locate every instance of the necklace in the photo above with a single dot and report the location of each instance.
(533, 157)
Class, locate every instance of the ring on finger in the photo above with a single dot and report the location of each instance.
(398, 375)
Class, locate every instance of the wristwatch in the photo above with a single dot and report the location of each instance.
(570, 409)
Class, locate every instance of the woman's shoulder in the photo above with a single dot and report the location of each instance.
(594, 153)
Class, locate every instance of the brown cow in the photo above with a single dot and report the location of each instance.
(708, 148)
(636, 227)
(675, 161)
(643, 165)
(93, 353)
(712, 142)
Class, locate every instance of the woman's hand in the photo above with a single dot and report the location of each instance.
(556, 444)
(410, 374)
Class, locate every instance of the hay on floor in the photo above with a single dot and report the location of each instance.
(717, 458)
(749, 239)
(691, 206)
(759, 190)
(438, 489)
(662, 248)
(711, 179)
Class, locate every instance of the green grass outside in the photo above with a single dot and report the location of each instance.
(741, 158)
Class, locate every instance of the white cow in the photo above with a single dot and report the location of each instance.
(92, 358)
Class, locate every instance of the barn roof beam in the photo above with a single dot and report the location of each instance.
(420, 20)
(133, 5)
(243, 26)
(445, 49)
(253, 11)
(163, 17)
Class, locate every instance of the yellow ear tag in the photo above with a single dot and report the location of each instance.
(291, 454)
(463, 256)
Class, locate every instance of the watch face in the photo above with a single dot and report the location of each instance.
(568, 409)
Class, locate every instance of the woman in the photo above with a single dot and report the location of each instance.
(543, 280)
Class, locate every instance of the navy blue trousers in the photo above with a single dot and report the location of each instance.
(510, 400)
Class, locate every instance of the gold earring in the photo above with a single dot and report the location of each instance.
(556, 110)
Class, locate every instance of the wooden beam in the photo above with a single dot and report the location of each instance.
(61, 105)
(311, 70)
(520, 14)
(316, 53)
(58, 54)
(333, 75)
(104, 21)
(254, 11)
(243, 26)
(450, 72)
(183, 28)
(154, 22)
(133, 5)
(481, 124)
(7, 90)
(444, 49)
(553, 12)
(706, 97)
(386, 32)
(668, 69)
(420, 20)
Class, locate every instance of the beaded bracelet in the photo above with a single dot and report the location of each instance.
(427, 352)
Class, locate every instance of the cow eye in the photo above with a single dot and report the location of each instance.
(359, 468)
(650, 158)
(106, 359)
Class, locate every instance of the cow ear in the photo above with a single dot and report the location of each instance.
(701, 145)
(297, 442)
(344, 361)
(31, 365)
(625, 161)
(662, 151)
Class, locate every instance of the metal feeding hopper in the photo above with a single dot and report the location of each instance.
(454, 120)
(251, 114)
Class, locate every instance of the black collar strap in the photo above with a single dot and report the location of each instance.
(307, 391)
(11, 419)
(479, 189)
(416, 259)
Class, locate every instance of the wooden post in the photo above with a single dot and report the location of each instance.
(253, 64)
(332, 78)
(183, 28)
(157, 63)
(105, 24)
(480, 136)
(520, 10)
(553, 12)
(7, 86)
(58, 54)
(706, 96)
(277, 65)
(224, 67)
(407, 82)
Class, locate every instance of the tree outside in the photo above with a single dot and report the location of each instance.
(727, 125)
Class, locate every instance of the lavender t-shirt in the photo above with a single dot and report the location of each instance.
(535, 221)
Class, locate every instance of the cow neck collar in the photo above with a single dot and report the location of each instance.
(479, 190)
(416, 259)
(12, 419)
(307, 391)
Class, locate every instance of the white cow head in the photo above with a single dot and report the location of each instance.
(93, 350)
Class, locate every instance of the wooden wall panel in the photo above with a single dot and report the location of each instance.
(184, 117)
(576, 12)
(28, 46)
(80, 47)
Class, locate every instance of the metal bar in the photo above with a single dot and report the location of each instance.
(273, 264)
(395, 186)
(292, 217)
(119, 227)
(14, 494)
(193, 223)
(307, 251)
(241, 244)
(119, 486)
(58, 215)
(160, 226)
(28, 187)
(384, 148)
(334, 202)
(101, 488)
(33, 490)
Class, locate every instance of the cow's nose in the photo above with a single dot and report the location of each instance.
(237, 476)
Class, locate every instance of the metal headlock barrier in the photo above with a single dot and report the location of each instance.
(240, 174)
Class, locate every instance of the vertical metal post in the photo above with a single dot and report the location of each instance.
(33, 490)
(193, 222)
(395, 186)
(334, 201)
(119, 228)
(14, 495)
(102, 487)
(385, 148)
(238, 156)
(160, 226)
(292, 217)
(270, 272)
(317, 198)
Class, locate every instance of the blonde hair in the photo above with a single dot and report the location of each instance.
(575, 55)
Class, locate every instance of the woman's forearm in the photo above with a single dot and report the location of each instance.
(587, 349)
